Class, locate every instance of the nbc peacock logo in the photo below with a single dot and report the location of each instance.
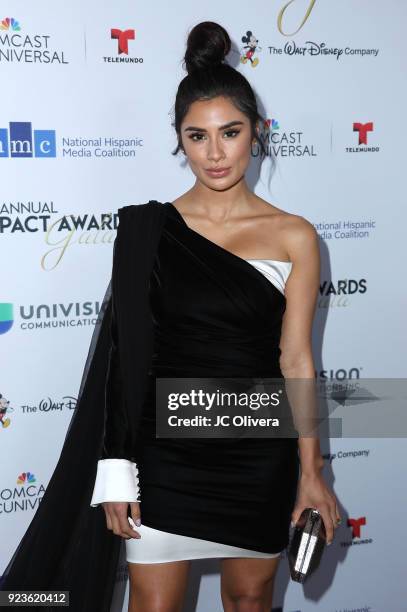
(11, 24)
(270, 125)
(6, 317)
(26, 478)
(267, 127)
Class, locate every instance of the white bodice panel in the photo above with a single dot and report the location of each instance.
(276, 271)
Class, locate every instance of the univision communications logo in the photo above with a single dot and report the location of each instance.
(6, 317)
(20, 140)
(46, 316)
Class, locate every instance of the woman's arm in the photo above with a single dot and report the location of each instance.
(117, 474)
(296, 362)
(116, 484)
(116, 481)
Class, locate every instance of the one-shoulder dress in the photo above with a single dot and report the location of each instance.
(214, 314)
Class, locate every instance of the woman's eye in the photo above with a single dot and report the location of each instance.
(235, 132)
(198, 137)
(192, 136)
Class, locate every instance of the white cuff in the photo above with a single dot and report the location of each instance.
(116, 480)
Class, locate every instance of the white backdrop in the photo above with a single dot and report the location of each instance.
(322, 68)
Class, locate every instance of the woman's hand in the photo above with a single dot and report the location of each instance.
(314, 493)
(117, 519)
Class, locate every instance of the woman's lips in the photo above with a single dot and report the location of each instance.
(218, 173)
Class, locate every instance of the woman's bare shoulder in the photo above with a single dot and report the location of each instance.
(287, 221)
(299, 236)
(294, 231)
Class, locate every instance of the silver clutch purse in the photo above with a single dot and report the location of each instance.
(306, 544)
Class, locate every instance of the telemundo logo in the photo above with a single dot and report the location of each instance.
(20, 140)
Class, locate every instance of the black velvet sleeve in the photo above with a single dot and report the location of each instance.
(84, 558)
(116, 439)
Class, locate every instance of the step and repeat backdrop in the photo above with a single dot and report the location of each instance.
(87, 95)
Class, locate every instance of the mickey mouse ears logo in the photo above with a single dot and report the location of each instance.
(4, 408)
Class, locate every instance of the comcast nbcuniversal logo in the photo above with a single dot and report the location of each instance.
(28, 47)
(26, 494)
(284, 143)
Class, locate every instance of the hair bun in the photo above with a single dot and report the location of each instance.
(208, 44)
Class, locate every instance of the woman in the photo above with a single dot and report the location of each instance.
(216, 236)
(217, 283)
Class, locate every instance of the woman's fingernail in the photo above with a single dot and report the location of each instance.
(138, 522)
(292, 524)
(329, 543)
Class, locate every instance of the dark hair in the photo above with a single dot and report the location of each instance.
(209, 76)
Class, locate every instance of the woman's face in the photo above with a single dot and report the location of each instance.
(215, 134)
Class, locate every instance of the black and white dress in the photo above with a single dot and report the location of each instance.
(214, 314)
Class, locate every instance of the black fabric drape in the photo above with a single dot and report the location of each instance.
(67, 545)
